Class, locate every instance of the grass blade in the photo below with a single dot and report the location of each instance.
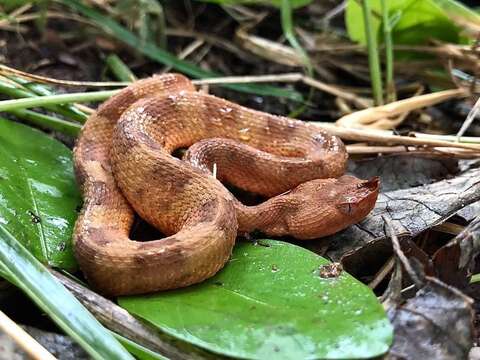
(152, 51)
(119, 68)
(24, 103)
(49, 122)
(373, 58)
(38, 89)
(21, 268)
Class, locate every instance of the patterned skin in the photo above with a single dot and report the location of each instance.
(124, 166)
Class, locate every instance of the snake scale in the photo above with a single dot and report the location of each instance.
(124, 167)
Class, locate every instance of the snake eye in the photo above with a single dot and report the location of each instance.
(346, 208)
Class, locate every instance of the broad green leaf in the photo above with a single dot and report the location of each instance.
(270, 302)
(21, 268)
(278, 3)
(152, 51)
(38, 194)
(418, 22)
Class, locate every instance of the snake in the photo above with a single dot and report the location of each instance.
(126, 167)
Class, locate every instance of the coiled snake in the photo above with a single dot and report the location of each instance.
(124, 165)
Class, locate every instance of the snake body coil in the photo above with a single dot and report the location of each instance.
(124, 165)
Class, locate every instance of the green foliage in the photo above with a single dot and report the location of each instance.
(415, 21)
(152, 51)
(278, 3)
(9, 5)
(38, 195)
(22, 269)
(270, 302)
(139, 351)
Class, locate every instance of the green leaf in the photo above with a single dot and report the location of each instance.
(278, 3)
(140, 352)
(270, 302)
(22, 269)
(38, 195)
(419, 20)
(152, 51)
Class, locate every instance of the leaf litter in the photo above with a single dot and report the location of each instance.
(436, 322)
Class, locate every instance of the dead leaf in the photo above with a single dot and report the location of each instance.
(436, 323)
(405, 171)
(455, 260)
(412, 210)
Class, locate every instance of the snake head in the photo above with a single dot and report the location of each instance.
(358, 198)
(326, 206)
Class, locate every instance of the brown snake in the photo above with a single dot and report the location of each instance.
(124, 165)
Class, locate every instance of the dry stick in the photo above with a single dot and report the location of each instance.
(8, 23)
(367, 116)
(185, 52)
(469, 120)
(385, 137)
(211, 39)
(290, 77)
(20, 10)
(120, 321)
(440, 152)
(43, 79)
(382, 273)
(24, 339)
(268, 49)
(399, 253)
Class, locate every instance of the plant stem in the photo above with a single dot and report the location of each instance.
(373, 58)
(475, 278)
(120, 69)
(288, 31)
(56, 99)
(49, 122)
(14, 92)
(387, 34)
(37, 89)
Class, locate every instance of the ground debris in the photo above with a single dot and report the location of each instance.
(435, 323)
(412, 210)
(404, 171)
(455, 261)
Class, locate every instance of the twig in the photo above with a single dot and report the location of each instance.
(382, 273)
(399, 253)
(386, 137)
(23, 339)
(469, 120)
(194, 45)
(433, 152)
(43, 79)
(290, 77)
